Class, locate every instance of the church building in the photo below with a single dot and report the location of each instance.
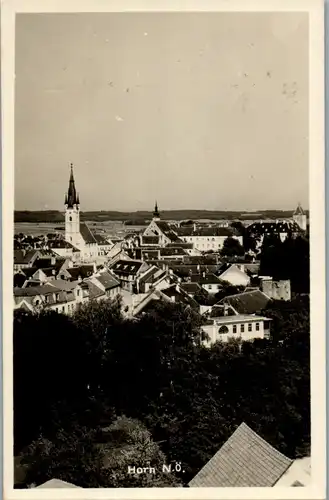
(77, 233)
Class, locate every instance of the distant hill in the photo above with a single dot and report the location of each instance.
(142, 216)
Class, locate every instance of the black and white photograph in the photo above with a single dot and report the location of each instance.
(166, 246)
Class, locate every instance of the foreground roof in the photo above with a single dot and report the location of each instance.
(57, 483)
(245, 460)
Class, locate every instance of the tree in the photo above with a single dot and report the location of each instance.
(100, 457)
(232, 247)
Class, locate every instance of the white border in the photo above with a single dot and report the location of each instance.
(315, 8)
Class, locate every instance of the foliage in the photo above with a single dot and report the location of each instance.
(74, 376)
(250, 241)
(287, 260)
(99, 457)
(232, 247)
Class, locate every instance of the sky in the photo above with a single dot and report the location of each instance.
(196, 110)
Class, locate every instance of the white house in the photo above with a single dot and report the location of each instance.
(244, 327)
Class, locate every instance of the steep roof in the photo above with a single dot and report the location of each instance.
(127, 267)
(94, 290)
(107, 280)
(35, 290)
(180, 295)
(63, 284)
(247, 302)
(22, 257)
(57, 483)
(87, 235)
(245, 460)
(83, 271)
(62, 244)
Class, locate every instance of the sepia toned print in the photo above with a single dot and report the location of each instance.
(163, 252)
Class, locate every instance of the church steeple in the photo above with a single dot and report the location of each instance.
(156, 213)
(71, 199)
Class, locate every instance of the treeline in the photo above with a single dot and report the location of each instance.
(143, 216)
(84, 385)
(287, 260)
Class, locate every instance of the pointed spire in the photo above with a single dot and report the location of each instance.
(156, 213)
(71, 198)
(299, 210)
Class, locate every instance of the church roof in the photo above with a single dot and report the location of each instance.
(86, 234)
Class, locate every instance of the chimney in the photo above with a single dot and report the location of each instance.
(194, 226)
(172, 298)
(53, 260)
(225, 309)
(203, 274)
(198, 268)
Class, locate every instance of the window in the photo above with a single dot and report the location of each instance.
(234, 328)
(37, 302)
(70, 219)
(63, 309)
(210, 287)
(250, 327)
(78, 293)
(257, 327)
(242, 328)
(223, 329)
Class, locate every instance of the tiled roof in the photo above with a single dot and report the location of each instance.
(100, 240)
(247, 302)
(127, 267)
(62, 244)
(164, 226)
(180, 296)
(107, 280)
(94, 290)
(29, 271)
(35, 290)
(86, 234)
(152, 275)
(245, 460)
(64, 285)
(274, 227)
(57, 483)
(21, 257)
(83, 271)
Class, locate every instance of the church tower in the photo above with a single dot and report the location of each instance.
(300, 217)
(156, 213)
(72, 213)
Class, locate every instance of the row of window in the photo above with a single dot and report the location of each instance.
(224, 328)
